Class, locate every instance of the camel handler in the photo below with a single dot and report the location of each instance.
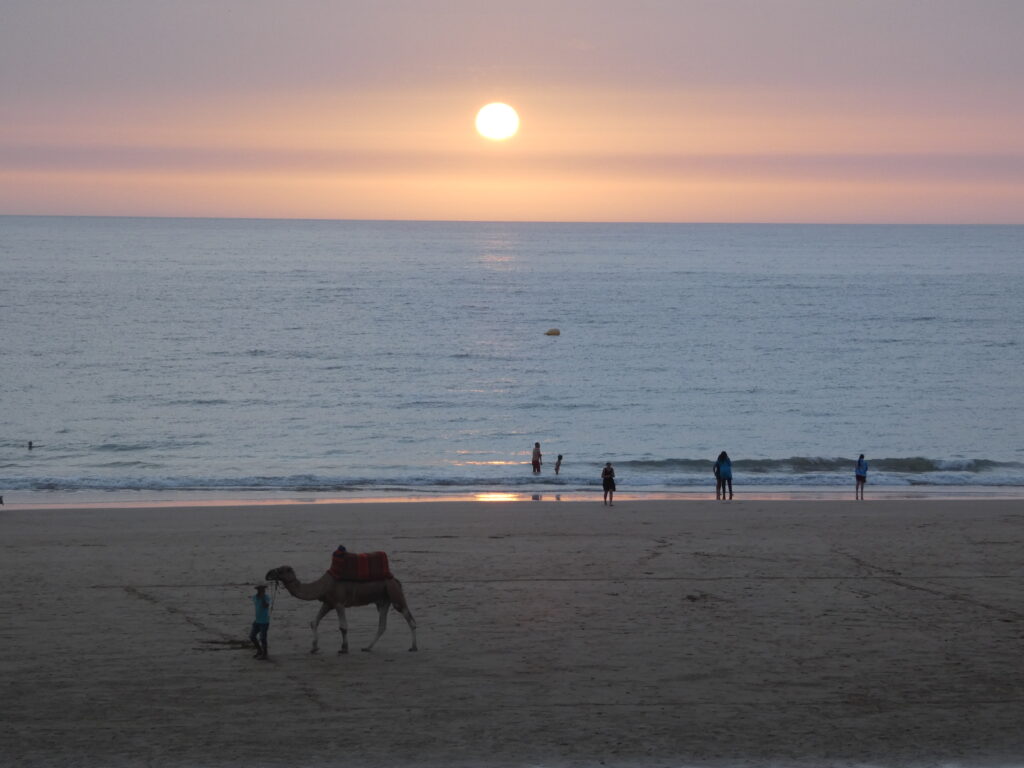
(262, 621)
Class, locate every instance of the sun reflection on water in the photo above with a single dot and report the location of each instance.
(494, 462)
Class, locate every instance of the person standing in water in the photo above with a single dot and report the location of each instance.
(723, 475)
(608, 482)
(536, 459)
(861, 476)
(558, 464)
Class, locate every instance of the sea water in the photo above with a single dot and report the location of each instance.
(219, 358)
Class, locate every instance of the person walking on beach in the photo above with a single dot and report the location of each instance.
(608, 482)
(861, 475)
(261, 624)
(723, 475)
(558, 464)
(536, 458)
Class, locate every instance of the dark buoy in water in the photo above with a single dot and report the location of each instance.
(552, 332)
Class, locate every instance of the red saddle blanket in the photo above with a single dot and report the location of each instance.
(364, 566)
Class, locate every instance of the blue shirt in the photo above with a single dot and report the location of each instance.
(262, 603)
(725, 469)
(862, 468)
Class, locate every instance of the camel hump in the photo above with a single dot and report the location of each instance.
(364, 566)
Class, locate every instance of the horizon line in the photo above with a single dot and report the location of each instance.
(574, 222)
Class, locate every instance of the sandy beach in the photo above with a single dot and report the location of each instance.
(652, 633)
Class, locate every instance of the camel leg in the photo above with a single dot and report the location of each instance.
(343, 626)
(397, 597)
(324, 608)
(382, 622)
(412, 625)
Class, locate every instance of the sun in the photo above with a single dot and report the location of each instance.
(497, 121)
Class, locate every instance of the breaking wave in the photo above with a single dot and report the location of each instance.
(639, 475)
(814, 464)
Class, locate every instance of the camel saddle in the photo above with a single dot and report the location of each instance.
(363, 566)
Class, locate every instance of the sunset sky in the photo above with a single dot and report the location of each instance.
(639, 110)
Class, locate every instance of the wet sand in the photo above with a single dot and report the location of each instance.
(652, 633)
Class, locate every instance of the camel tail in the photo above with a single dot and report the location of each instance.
(396, 595)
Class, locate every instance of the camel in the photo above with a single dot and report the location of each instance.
(339, 595)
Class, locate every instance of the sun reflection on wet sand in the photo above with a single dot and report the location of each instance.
(496, 496)
(242, 499)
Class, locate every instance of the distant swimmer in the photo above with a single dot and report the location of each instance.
(536, 458)
(30, 445)
(558, 464)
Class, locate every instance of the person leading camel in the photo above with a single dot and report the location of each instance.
(261, 624)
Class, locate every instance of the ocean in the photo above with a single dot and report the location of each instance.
(152, 359)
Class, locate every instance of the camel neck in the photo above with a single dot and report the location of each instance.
(312, 590)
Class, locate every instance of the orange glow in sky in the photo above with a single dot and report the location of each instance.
(644, 111)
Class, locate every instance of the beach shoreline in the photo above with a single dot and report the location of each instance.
(57, 500)
(659, 632)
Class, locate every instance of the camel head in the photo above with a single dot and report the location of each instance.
(282, 573)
